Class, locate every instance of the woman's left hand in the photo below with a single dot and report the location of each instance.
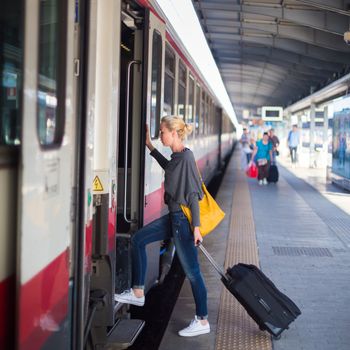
(197, 235)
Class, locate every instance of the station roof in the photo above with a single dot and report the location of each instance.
(275, 52)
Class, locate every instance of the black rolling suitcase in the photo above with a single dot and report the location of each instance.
(273, 174)
(271, 309)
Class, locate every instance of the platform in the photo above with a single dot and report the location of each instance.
(298, 232)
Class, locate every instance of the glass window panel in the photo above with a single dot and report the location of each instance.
(169, 61)
(11, 60)
(168, 108)
(169, 77)
(202, 115)
(51, 73)
(156, 84)
(190, 116)
(181, 99)
(181, 103)
(182, 74)
(198, 108)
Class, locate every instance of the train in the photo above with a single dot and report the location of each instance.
(80, 81)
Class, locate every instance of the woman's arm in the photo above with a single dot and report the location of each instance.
(163, 162)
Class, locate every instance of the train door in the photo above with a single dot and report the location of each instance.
(11, 72)
(142, 61)
(153, 104)
(45, 177)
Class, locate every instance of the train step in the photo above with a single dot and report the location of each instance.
(124, 333)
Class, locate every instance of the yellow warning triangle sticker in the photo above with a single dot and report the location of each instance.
(97, 185)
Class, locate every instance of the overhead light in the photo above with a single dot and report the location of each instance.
(258, 21)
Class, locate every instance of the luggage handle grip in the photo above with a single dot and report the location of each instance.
(212, 261)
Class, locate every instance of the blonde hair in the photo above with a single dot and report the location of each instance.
(177, 123)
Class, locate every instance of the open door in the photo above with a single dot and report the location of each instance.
(45, 179)
(153, 104)
(141, 84)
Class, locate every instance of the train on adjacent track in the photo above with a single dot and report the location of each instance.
(80, 81)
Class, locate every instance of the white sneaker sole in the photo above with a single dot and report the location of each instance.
(195, 333)
(129, 301)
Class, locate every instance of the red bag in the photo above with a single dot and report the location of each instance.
(252, 171)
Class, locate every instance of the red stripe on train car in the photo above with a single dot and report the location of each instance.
(146, 3)
(43, 303)
(7, 312)
(88, 247)
(111, 228)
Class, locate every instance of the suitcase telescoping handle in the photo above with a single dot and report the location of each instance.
(219, 269)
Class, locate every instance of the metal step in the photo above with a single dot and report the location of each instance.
(124, 334)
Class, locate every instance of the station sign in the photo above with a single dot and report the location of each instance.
(272, 113)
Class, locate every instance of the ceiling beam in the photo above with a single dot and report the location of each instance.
(282, 55)
(324, 21)
(285, 44)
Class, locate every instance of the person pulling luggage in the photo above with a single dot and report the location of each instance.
(262, 154)
(182, 185)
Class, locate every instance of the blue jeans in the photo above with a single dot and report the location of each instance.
(293, 153)
(176, 226)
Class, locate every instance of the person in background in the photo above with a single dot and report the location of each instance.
(293, 142)
(244, 141)
(262, 154)
(182, 185)
(275, 143)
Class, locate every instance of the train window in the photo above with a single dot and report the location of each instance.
(211, 118)
(190, 115)
(11, 59)
(207, 117)
(198, 108)
(156, 84)
(169, 79)
(202, 115)
(51, 72)
(181, 100)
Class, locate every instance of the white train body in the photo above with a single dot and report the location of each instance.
(70, 143)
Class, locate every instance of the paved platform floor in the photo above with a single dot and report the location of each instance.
(302, 241)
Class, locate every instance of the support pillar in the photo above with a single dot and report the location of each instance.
(325, 136)
(312, 163)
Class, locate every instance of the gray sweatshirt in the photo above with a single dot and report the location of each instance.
(182, 182)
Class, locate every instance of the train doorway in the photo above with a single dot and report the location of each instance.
(141, 82)
(129, 146)
(130, 151)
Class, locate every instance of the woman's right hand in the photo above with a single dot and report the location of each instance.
(148, 139)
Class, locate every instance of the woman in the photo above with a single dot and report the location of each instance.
(263, 154)
(182, 185)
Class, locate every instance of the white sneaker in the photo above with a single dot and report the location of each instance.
(195, 328)
(265, 181)
(260, 182)
(128, 297)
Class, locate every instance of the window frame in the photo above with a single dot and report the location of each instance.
(190, 113)
(158, 92)
(170, 75)
(181, 84)
(61, 69)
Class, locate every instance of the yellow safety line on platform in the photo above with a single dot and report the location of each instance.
(235, 329)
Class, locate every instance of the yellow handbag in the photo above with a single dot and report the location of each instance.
(209, 212)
